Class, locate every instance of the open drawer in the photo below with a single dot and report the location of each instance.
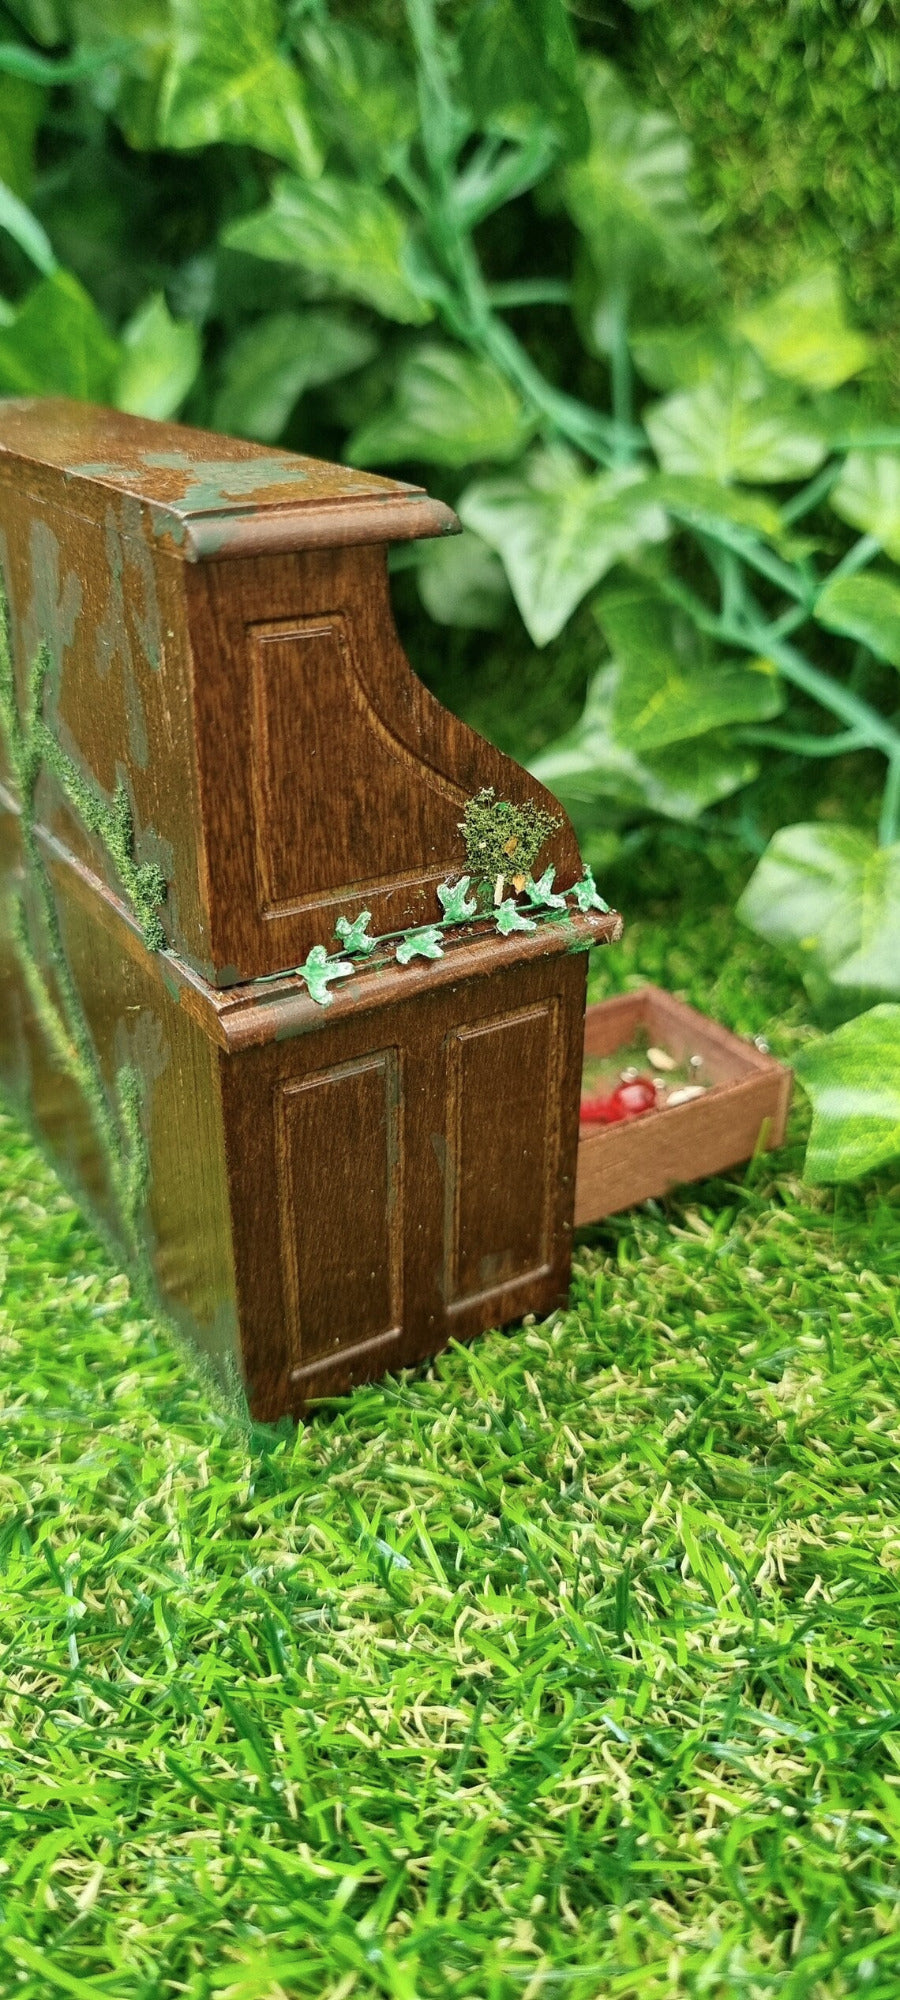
(745, 1105)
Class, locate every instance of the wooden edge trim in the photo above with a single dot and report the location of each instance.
(256, 1013)
(287, 530)
(247, 1016)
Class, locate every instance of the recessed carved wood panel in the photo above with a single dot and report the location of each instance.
(339, 1146)
(307, 701)
(501, 1167)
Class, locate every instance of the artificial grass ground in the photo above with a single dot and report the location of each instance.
(566, 1666)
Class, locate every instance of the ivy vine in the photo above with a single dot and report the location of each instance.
(459, 909)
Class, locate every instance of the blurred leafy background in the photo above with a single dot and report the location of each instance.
(617, 282)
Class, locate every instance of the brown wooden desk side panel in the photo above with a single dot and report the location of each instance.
(331, 780)
(134, 1025)
(39, 1083)
(134, 1022)
(117, 695)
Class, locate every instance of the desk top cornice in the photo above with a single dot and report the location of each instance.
(198, 495)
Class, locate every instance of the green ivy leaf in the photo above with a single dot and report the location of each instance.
(319, 970)
(21, 106)
(456, 905)
(355, 937)
(588, 766)
(735, 426)
(853, 1079)
(678, 357)
(450, 408)
(463, 582)
(517, 61)
(131, 40)
(160, 359)
(672, 686)
(226, 81)
(866, 608)
(832, 897)
(867, 494)
(276, 359)
(509, 919)
(426, 943)
(586, 896)
(630, 195)
(802, 332)
(363, 97)
(57, 345)
(559, 529)
(703, 502)
(540, 894)
(351, 236)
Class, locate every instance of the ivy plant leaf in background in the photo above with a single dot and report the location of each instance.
(363, 97)
(629, 195)
(559, 529)
(671, 688)
(46, 20)
(226, 80)
(867, 494)
(705, 502)
(678, 357)
(463, 582)
(57, 344)
(517, 60)
(853, 1079)
(866, 608)
(351, 236)
(269, 365)
(160, 359)
(832, 897)
(21, 105)
(590, 766)
(803, 332)
(451, 408)
(130, 41)
(735, 425)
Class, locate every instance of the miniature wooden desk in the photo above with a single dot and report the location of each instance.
(314, 1068)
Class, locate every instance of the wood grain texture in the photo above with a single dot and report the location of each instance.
(330, 779)
(282, 763)
(339, 1161)
(619, 1165)
(501, 1172)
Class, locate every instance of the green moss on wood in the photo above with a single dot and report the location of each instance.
(60, 1013)
(503, 840)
